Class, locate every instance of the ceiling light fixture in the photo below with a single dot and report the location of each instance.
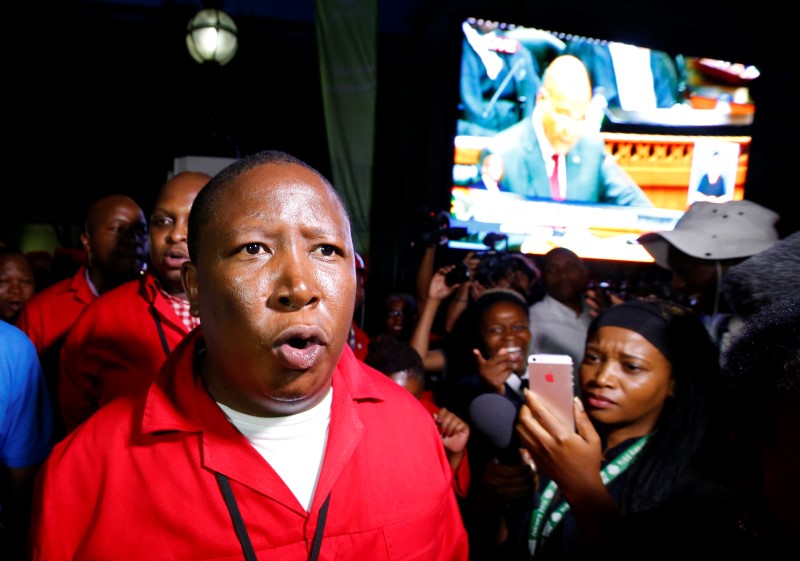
(211, 37)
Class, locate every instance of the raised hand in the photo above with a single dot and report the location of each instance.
(495, 370)
(454, 431)
(571, 459)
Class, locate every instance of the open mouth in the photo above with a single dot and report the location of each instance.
(14, 305)
(175, 259)
(300, 348)
(299, 343)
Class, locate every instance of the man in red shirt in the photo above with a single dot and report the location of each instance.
(115, 242)
(262, 434)
(120, 340)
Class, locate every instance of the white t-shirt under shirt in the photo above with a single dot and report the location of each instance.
(293, 445)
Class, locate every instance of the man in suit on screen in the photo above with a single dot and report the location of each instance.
(554, 155)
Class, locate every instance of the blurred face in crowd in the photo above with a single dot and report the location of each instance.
(692, 277)
(565, 276)
(274, 285)
(115, 239)
(17, 285)
(395, 316)
(401, 316)
(169, 223)
(625, 380)
(505, 325)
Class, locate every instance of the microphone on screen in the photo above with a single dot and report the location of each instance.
(494, 417)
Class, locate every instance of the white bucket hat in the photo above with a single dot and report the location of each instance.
(716, 231)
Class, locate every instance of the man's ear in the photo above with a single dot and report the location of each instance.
(86, 243)
(189, 281)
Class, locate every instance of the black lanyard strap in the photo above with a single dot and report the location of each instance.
(160, 329)
(236, 516)
(317, 544)
(241, 531)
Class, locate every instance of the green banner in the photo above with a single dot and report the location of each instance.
(347, 44)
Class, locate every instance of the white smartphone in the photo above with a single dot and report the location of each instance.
(550, 379)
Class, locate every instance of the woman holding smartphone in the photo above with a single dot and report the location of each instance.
(626, 483)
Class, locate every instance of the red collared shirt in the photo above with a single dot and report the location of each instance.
(115, 348)
(137, 480)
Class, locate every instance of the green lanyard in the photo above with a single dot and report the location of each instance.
(539, 530)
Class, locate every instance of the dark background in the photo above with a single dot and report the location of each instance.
(102, 95)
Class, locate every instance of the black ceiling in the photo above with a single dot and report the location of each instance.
(102, 94)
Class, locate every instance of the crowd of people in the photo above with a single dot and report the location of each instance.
(206, 383)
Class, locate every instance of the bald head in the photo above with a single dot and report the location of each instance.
(563, 100)
(566, 78)
(115, 241)
(102, 208)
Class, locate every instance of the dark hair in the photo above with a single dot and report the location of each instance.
(681, 429)
(762, 363)
(559, 250)
(205, 205)
(499, 265)
(10, 251)
(493, 296)
(389, 354)
(763, 278)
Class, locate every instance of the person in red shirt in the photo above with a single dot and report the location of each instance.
(119, 341)
(262, 435)
(115, 242)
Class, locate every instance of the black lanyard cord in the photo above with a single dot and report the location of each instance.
(160, 329)
(241, 531)
(236, 516)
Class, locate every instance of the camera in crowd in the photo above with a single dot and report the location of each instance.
(493, 262)
(458, 274)
(434, 228)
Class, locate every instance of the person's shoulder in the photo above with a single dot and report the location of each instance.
(48, 293)
(103, 314)
(123, 291)
(539, 304)
(50, 301)
(99, 444)
(107, 429)
(591, 140)
(547, 305)
(512, 133)
(120, 295)
(13, 340)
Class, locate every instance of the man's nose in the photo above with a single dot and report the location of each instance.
(294, 285)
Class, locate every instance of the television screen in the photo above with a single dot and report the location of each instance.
(554, 159)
